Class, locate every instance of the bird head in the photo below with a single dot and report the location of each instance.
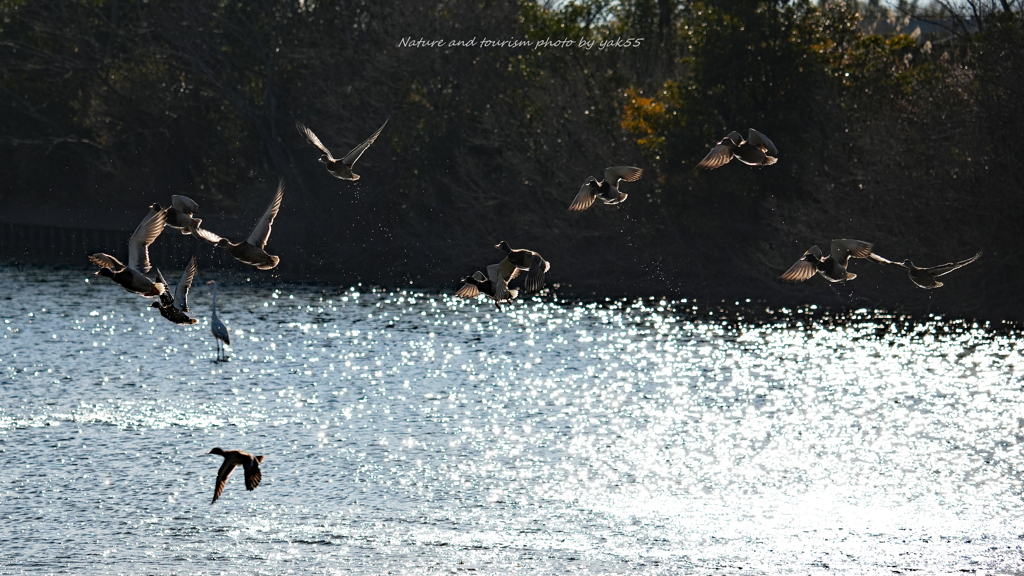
(155, 206)
(155, 305)
(216, 451)
(323, 158)
(504, 246)
(105, 272)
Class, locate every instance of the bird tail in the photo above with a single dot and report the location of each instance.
(850, 275)
(273, 263)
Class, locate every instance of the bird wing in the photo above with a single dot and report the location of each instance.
(181, 290)
(943, 269)
(884, 260)
(207, 235)
(499, 275)
(165, 297)
(252, 472)
(613, 174)
(222, 479)
(755, 138)
(584, 198)
(312, 139)
(184, 204)
(106, 261)
(468, 291)
(351, 158)
(842, 249)
(719, 156)
(138, 245)
(261, 232)
(535, 275)
(799, 272)
(507, 270)
(220, 329)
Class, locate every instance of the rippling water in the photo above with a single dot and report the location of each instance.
(410, 432)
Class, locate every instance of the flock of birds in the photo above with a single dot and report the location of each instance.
(756, 150)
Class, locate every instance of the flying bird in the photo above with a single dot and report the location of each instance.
(249, 463)
(339, 168)
(180, 214)
(218, 328)
(756, 150)
(528, 260)
(250, 251)
(132, 277)
(831, 267)
(175, 308)
(478, 284)
(925, 277)
(607, 189)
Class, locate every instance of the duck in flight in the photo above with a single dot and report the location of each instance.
(251, 250)
(339, 168)
(756, 150)
(607, 189)
(925, 277)
(478, 284)
(132, 276)
(180, 214)
(831, 267)
(175, 308)
(520, 259)
(250, 465)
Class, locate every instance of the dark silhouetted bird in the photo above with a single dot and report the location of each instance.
(218, 327)
(925, 277)
(175, 308)
(250, 465)
(478, 284)
(607, 189)
(756, 150)
(250, 251)
(831, 267)
(339, 168)
(180, 214)
(132, 277)
(528, 260)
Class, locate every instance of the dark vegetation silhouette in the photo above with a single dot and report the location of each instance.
(909, 140)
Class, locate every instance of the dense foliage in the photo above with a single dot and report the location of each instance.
(909, 141)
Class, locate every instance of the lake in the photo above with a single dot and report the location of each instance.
(408, 432)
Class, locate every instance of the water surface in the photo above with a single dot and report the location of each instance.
(408, 433)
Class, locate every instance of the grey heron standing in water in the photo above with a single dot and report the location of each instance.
(217, 326)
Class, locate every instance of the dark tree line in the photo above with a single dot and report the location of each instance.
(908, 141)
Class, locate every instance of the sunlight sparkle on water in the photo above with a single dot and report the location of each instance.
(412, 432)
